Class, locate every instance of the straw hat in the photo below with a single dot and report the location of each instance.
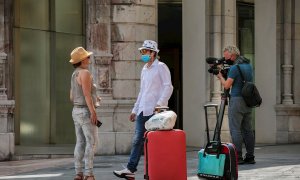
(79, 54)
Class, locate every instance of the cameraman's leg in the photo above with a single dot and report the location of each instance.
(248, 134)
(235, 120)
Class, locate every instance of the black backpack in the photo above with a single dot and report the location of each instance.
(250, 92)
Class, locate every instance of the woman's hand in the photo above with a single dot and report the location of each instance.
(94, 118)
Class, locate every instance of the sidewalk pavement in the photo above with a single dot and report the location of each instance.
(272, 162)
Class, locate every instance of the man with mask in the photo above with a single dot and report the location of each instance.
(155, 90)
(239, 114)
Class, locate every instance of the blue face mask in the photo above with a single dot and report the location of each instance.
(145, 58)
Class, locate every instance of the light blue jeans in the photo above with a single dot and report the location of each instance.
(240, 117)
(138, 142)
(86, 138)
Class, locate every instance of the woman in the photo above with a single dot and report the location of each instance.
(83, 97)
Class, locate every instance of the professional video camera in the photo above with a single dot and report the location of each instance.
(219, 65)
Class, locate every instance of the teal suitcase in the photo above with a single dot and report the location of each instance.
(211, 165)
(218, 160)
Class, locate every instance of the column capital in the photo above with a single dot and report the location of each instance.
(3, 56)
(7, 106)
(103, 59)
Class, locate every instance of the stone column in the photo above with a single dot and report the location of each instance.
(266, 56)
(99, 41)
(195, 26)
(216, 43)
(222, 33)
(133, 21)
(296, 52)
(98, 38)
(287, 67)
(7, 138)
(288, 109)
(7, 141)
(115, 29)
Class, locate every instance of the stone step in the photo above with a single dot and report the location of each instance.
(43, 152)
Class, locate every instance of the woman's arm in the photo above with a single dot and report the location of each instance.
(71, 96)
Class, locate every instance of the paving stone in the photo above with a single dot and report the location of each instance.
(273, 162)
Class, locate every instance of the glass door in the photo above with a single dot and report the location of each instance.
(45, 32)
(246, 30)
(32, 62)
(68, 26)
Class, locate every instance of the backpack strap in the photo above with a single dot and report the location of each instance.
(241, 73)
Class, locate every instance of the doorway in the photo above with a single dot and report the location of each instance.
(245, 37)
(170, 45)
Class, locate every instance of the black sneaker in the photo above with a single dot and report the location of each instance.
(249, 160)
(241, 161)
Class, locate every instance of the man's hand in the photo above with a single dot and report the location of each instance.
(156, 109)
(219, 75)
(132, 117)
(226, 83)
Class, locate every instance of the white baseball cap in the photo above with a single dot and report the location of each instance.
(149, 44)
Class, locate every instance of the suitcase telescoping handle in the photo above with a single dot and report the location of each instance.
(206, 106)
(159, 109)
(214, 142)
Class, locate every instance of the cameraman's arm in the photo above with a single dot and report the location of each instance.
(228, 83)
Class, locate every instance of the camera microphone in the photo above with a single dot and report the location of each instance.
(211, 60)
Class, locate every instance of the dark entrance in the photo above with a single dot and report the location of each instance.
(170, 45)
(245, 36)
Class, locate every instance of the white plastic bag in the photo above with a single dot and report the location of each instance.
(161, 121)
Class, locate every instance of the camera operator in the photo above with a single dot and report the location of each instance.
(239, 114)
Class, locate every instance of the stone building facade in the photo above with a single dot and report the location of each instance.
(114, 29)
(7, 138)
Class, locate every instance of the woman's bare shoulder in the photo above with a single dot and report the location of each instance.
(84, 72)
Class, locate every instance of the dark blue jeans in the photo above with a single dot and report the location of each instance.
(240, 116)
(138, 142)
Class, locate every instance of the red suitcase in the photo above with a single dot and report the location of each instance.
(165, 155)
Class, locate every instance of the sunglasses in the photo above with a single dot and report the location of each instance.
(144, 51)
